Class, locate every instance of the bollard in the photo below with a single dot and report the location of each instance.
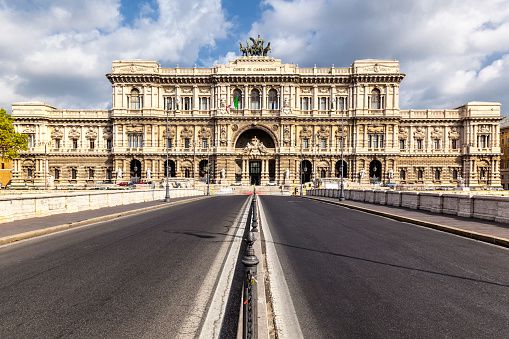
(249, 293)
(254, 225)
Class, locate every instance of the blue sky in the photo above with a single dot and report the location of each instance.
(58, 51)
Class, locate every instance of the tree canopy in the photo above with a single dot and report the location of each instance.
(10, 141)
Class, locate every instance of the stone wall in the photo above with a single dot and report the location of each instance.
(463, 205)
(22, 207)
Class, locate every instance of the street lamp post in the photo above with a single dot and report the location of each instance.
(341, 187)
(300, 167)
(208, 173)
(167, 196)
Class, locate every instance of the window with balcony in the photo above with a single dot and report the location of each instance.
(255, 99)
(323, 103)
(341, 103)
(483, 141)
(205, 143)
(31, 140)
(169, 103)
(305, 103)
(204, 103)
(135, 140)
(273, 99)
(376, 100)
(135, 100)
(187, 103)
(375, 140)
(237, 99)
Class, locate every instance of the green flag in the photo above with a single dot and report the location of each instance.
(236, 102)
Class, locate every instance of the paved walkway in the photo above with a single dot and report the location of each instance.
(12, 228)
(484, 230)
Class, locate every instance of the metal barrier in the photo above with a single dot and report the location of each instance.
(249, 295)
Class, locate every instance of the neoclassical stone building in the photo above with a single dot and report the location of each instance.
(258, 120)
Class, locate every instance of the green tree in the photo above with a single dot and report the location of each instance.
(10, 141)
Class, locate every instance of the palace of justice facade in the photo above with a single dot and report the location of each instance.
(257, 120)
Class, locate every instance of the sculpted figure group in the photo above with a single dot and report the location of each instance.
(257, 48)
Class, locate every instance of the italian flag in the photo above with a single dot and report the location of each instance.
(235, 104)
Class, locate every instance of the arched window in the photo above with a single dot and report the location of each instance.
(273, 100)
(255, 99)
(237, 97)
(402, 175)
(135, 99)
(376, 102)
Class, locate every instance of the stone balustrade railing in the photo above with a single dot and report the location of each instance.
(30, 206)
(485, 207)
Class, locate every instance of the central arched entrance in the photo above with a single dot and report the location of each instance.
(375, 171)
(255, 161)
(135, 170)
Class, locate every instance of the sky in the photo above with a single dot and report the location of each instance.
(58, 51)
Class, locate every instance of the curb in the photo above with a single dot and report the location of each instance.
(58, 228)
(503, 242)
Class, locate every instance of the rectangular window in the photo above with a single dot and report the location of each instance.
(204, 103)
(323, 143)
(376, 141)
(204, 143)
(187, 103)
(341, 103)
(3, 165)
(169, 103)
(57, 173)
(436, 144)
(109, 144)
(92, 144)
(135, 140)
(31, 140)
(109, 174)
(169, 143)
(454, 144)
(91, 173)
(305, 103)
(29, 173)
(402, 144)
(322, 103)
(483, 141)
(419, 143)
(57, 143)
(74, 173)
(187, 143)
(305, 143)
(75, 143)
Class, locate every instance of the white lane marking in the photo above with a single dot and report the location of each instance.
(287, 323)
(224, 268)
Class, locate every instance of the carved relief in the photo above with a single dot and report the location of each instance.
(323, 132)
(275, 127)
(187, 132)
(204, 132)
(107, 133)
(74, 133)
(484, 128)
(419, 133)
(29, 129)
(91, 133)
(436, 133)
(286, 136)
(306, 132)
(305, 90)
(339, 134)
(134, 129)
(323, 90)
(375, 129)
(187, 90)
(403, 133)
(235, 127)
(57, 132)
(223, 136)
(454, 134)
(204, 90)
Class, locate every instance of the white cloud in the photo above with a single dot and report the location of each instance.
(58, 51)
(452, 51)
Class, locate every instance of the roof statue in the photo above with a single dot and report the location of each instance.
(256, 48)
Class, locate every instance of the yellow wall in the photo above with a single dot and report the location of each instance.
(5, 172)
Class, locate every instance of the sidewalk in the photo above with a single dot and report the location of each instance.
(483, 230)
(32, 227)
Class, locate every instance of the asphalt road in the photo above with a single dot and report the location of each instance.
(356, 275)
(134, 277)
